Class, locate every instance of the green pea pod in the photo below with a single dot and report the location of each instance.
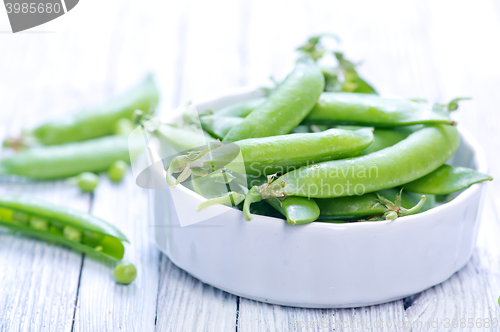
(241, 109)
(384, 138)
(297, 210)
(371, 110)
(419, 154)
(277, 154)
(100, 120)
(357, 207)
(219, 126)
(71, 159)
(286, 107)
(75, 229)
(229, 199)
(446, 180)
(430, 202)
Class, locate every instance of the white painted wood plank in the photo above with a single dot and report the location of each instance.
(186, 304)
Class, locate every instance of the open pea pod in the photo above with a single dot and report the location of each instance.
(446, 180)
(78, 230)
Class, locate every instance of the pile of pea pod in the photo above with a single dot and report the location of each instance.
(76, 147)
(324, 146)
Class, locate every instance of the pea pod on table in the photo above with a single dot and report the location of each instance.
(419, 154)
(75, 229)
(100, 120)
(66, 160)
(372, 110)
(286, 107)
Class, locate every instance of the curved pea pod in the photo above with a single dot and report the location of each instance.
(446, 180)
(356, 207)
(297, 210)
(75, 229)
(278, 154)
(372, 110)
(241, 109)
(66, 160)
(419, 154)
(286, 107)
(219, 126)
(100, 120)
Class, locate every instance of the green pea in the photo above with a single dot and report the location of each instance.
(72, 234)
(54, 230)
(117, 170)
(39, 223)
(125, 273)
(20, 218)
(87, 181)
(91, 239)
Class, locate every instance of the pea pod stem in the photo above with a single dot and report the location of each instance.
(277, 154)
(395, 210)
(372, 110)
(230, 199)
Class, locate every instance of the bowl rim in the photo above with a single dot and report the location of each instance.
(252, 92)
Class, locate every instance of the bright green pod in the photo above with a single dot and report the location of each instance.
(180, 139)
(271, 155)
(446, 180)
(358, 207)
(430, 202)
(71, 159)
(371, 110)
(297, 210)
(46, 220)
(384, 138)
(100, 120)
(419, 154)
(286, 107)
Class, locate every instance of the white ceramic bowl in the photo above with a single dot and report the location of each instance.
(322, 265)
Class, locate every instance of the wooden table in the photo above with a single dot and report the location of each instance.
(427, 49)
